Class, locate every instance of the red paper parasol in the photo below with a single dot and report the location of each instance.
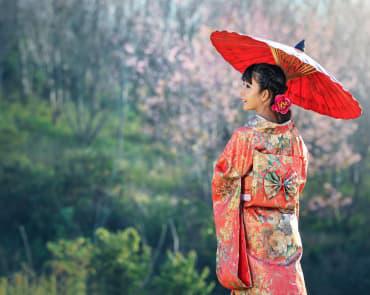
(309, 85)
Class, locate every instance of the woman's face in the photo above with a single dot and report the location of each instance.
(251, 96)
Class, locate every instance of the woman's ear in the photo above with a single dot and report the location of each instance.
(265, 95)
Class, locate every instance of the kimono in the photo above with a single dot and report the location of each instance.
(256, 184)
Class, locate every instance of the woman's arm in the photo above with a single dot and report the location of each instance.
(233, 163)
(304, 172)
(305, 164)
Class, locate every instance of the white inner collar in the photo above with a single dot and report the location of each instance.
(285, 123)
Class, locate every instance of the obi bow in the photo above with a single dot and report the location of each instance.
(273, 184)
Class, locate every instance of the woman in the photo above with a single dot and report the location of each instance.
(256, 185)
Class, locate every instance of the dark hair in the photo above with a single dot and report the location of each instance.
(272, 78)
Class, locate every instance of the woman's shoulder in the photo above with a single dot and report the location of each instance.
(252, 121)
(241, 135)
(243, 131)
(248, 127)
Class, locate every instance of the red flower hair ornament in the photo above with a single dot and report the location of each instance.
(282, 104)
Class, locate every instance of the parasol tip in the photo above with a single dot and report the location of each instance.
(300, 45)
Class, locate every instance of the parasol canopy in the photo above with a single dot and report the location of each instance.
(310, 86)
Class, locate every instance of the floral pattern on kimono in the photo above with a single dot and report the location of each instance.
(255, 162)
(234, 162)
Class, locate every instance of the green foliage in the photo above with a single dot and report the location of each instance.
(21, 283)
(71, 264)
(178, 275)
(120, 262)
(115, 263)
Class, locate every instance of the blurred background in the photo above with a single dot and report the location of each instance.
(112, 113)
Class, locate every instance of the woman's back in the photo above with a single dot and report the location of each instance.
(278, 172)
(260, 174)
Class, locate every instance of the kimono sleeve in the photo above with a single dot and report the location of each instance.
(305, 165)
(235, 161)
(304, 172)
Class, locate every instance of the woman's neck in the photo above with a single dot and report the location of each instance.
(270, 118)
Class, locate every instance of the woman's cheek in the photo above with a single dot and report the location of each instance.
(253, 103)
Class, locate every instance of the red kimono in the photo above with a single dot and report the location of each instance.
(256, 185)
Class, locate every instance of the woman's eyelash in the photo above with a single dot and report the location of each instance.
(246, 84)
